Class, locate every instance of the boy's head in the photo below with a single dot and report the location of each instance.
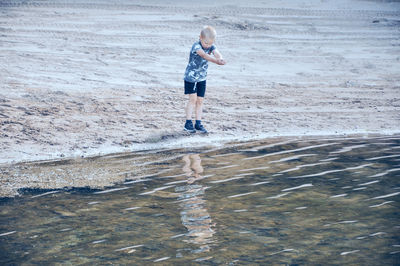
(207, 36)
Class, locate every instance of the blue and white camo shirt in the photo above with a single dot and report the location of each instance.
(196, 69)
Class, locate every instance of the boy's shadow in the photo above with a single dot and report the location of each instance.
(175, 135)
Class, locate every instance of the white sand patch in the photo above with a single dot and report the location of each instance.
(97, 77)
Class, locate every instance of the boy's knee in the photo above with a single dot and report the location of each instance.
(192, 100)
(199, 100)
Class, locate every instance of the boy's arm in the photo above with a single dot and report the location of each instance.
(218, 56)
(218, 61)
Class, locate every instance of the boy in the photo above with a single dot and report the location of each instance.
(195, 76)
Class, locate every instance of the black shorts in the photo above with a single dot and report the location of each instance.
(197, 87)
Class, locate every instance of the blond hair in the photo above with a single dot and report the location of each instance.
(208, 32)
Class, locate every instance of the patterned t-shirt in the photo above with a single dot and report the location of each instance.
(196, 69)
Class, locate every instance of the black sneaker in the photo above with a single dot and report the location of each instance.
(200, 128)
(189, 127)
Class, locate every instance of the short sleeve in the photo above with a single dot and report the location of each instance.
(212, 48)
(196, 47)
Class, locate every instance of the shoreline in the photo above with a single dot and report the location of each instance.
(110, 170)
(185, 141)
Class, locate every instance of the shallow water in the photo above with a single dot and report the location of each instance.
(290, 201)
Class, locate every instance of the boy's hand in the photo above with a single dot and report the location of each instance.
(221, 62)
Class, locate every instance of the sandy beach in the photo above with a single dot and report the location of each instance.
(82, 78)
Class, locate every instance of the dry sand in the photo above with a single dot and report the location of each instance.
(81, 78)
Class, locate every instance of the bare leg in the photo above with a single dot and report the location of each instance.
(199, 107)
(190, 106)
(186, 168)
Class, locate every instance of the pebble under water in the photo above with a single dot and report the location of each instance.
(280, 201)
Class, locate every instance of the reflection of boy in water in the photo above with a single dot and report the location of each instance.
(192, 162)
(194, 215)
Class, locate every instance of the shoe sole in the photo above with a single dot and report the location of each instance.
(201, 131)
(190, 131)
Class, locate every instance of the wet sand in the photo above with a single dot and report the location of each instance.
(82, 78)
